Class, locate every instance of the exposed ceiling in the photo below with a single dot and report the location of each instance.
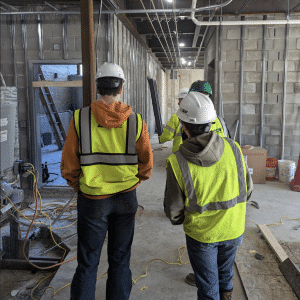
(174, 43)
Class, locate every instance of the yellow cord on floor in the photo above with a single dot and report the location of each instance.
(276, 224)
(181, 250)
(179, 260)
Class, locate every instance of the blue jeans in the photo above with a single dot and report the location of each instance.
(213, 266)
(115, 215)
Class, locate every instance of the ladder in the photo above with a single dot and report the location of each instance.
(52, 113)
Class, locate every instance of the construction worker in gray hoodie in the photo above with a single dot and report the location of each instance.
(207, 187)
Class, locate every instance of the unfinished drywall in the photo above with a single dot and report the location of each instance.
(252, 90)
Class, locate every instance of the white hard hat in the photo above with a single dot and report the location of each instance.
(196, 108)
(183, 92)
(110, 70)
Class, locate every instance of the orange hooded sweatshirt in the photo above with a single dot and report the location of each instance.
(108, 115)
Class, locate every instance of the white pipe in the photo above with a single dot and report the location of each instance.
(215, 7)
(248, 22)
(239, 23)
(127, 11)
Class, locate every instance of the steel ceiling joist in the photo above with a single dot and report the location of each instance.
(159, 50)
(8, 6)
(162, 31)
(186, 26)
(161, 54)
(196, 35)
(294, 8)
(51, 6)
(238, 13)
(141, 1)
(173, 34)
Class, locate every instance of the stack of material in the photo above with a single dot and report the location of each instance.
(295, 183)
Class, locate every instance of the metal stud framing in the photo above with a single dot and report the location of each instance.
(241, 91)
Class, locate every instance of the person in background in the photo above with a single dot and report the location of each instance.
(173, 130)
(107, 154)
(218, 125)
(207, 186)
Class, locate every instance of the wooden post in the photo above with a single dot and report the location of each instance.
(88, 54)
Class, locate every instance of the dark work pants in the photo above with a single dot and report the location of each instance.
(115, 215)
(213, 266)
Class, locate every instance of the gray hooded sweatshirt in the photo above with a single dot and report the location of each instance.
(204, 150)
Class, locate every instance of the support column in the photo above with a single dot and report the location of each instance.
(88, 52)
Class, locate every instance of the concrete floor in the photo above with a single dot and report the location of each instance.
(156, 238)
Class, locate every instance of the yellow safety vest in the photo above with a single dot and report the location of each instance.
(172, 131)
(219, 127)
(108, 157)
(215, 203)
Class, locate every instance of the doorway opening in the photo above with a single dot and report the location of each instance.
(54, 110)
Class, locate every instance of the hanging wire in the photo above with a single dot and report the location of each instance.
(177, 35)
(167, 21)
(211, 16)
(155, 31)
(99, 20)
(162, 31)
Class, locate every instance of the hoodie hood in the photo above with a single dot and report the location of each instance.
(203, 150)
(110, 115)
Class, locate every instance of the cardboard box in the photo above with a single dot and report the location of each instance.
(256, 162)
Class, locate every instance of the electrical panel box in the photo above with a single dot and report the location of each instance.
(7, 135)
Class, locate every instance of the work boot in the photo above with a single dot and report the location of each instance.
(226, 296)
(190, 279)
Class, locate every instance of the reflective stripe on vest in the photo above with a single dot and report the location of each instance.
(223, 126)
(88, 158)
(169, 128)
(180, 132)
(185, 171)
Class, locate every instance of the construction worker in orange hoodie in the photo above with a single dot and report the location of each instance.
(106, 155)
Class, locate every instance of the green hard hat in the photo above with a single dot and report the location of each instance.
(201, 86)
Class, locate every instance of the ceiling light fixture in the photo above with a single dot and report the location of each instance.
(189, 63)
(181, 44)
(170, 1)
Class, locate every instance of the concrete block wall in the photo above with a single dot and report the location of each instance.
(252, 59)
